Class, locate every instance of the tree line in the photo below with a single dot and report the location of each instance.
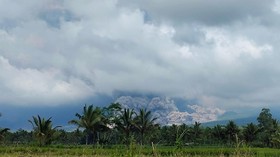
(114, 125)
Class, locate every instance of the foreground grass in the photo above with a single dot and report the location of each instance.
(137, 151)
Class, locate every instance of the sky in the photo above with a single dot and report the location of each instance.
(220, 53)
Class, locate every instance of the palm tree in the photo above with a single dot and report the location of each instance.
(275, 134)
(43, 130)
(219, 133)
(126, 122)
(144, 122)
(111, 112)
(250, 132)
(92, 121)
(181, 131)
(232, 131)
(2, 132)
(275, 138)
(197, 131)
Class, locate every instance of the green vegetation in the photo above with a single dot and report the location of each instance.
(116, 151)
(93, 121)
(3, 131)
(116, 131)
(42, 130)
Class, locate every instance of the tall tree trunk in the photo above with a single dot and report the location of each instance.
(87, 136)
(127, 138)
(142, 137)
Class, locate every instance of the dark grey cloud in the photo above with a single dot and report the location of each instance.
(206, 12)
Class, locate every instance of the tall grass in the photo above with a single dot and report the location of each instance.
(134, 150)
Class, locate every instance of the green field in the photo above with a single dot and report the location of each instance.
(116, 151)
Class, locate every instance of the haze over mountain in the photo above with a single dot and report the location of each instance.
(187, 60)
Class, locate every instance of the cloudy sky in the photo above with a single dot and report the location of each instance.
(221, 53)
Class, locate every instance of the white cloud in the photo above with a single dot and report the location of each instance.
(217, 54)
(25, 86)
(230, 48)
(276, 7)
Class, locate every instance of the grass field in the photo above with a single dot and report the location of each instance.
(137, 151)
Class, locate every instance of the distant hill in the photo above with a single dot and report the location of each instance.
(242, 120)
(239, 122)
